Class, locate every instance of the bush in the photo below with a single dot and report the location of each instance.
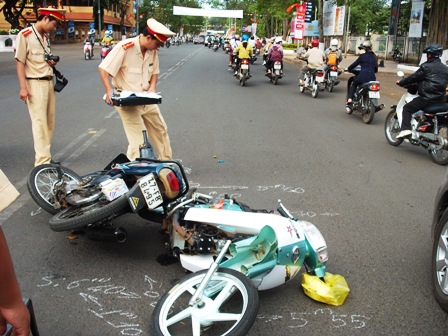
(4, 32)
(289, 46)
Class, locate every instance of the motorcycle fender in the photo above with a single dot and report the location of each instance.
(278, 276)
(136, 199)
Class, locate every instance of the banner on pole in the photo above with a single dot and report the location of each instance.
(177, 10)
(415, 24)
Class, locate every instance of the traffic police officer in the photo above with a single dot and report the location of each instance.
(133, 65)
(35, 73)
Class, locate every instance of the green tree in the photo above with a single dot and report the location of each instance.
(438, 17)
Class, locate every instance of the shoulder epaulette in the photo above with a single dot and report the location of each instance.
(128, 45)
(26, 32)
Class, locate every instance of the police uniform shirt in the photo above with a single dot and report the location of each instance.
(129, 69)
(29, 51)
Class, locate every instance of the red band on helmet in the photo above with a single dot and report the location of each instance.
(162, 38)
(56, 15)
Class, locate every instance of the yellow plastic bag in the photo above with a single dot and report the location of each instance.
(333, 291)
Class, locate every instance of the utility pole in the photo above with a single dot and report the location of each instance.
(99, 19)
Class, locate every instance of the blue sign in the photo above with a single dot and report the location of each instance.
(92, 25)
(71, 28)
(309, 12)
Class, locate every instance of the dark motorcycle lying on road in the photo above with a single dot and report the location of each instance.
(429, 127)
(365, 100)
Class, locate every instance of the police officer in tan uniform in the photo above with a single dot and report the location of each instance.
(133, 65)
(35, 73)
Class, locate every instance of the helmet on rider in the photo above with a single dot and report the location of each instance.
(108, 33)
(278, 40)
(237, 37)
(245, 38)
(92, 32)
(334, 44)
(433, 49)
(315, 43)
(366, 45)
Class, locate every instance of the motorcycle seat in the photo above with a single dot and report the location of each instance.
(369, 83)
(437, 108)
(313, 71)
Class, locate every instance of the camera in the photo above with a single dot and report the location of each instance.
(49, 57)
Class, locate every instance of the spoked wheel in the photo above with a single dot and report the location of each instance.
(330, 86)
(439, 262)
(77, 217)
(302, 88)
(243, 80)
(369, 110)
(41, 183)
(439, 156)
(229, 306)
(392, 129)
(275, 80)
(315, 90)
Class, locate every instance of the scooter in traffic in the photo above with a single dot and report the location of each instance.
(105, 49)
(88, 50)
(331, 77)
(313, 81)
(397, 55)
(243, 72)
(429, 127)
(365, 100)
(275, 72)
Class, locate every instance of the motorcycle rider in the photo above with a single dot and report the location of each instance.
(243, 50)
(234, 42)
(432, 80)
(275, 53)
(333, 54)
(90, 38)
(108, 39)
(369, 67)
(316, 60)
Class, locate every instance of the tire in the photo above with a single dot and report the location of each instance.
(315, 90)
(243, 304)
(78, 217)
(439, 156)
(41, 181)
(392, 129)
(275, 80)
(439, 265)
(330, 86)
(243, 80)
(369, 112)
(301, 88)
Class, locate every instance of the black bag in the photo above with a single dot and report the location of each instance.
(60, 82)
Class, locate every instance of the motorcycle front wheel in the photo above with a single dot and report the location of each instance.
(229, 306)
(369, 111)
(41, 182)
(78, 217)
(392, 129)
(439, 156)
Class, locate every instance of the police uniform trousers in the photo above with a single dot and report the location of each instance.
(137, 118)
(41, 107)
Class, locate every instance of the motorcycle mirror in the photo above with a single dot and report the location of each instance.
(400, 74)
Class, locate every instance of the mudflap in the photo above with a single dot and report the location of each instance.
(376, 103)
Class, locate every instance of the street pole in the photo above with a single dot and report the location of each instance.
(347, 35)
(99, 19)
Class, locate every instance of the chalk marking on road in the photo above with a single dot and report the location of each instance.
(25, 197)
(175, 67)
(111, 114)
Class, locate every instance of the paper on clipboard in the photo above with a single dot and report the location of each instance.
(127, 94)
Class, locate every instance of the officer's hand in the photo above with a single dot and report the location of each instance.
(397, 82)
(24, 95)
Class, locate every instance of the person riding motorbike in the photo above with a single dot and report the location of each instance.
(275, 53)
(333, 54)
(315, 57)
(266, 48)
(432, 81)
(108, 38)
(244, 50)
(90, 38)
(234, 42)
(369, 67)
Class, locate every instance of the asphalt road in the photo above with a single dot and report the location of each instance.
(259, 143)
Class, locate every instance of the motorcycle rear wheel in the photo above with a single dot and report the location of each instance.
(392, 129)
(231, 309)
(41, 181)
(439, 156)
(369, 111)
(78, 217)
(330, 86)
(315, 90)
(275, 80)
(243, 80)
(439, 262)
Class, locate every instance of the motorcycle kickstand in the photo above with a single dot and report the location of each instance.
(196, 299)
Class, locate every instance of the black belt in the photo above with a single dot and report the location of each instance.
(47, 78)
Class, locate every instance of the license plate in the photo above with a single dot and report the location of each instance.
(333, 73)
(374, 94)
(244, 66)
(319, 79)
(277, 66)
(150, 190)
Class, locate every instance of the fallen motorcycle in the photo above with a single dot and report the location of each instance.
(429, 127)
(233, 251)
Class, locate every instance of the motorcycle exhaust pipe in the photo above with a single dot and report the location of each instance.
(100, 233)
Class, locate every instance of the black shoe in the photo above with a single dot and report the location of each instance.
(56, 162)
